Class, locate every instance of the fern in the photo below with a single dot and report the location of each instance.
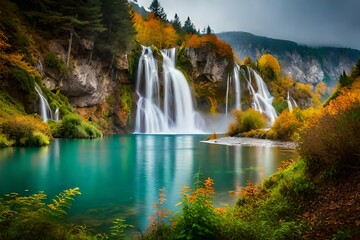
(61, 202)
(117, 231)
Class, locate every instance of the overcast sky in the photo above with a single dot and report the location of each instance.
(311, 22)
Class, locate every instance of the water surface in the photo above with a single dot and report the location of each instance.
(121, 175)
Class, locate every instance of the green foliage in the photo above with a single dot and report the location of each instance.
(246, 121)
(126, 98)
(158, 10)
(72, 126)
(9, 106)
(30, 217)
(118, 228)
(198, 219)
(189, 27)
(58, 100)
(25, 80)
(53, 61)
(4, 142)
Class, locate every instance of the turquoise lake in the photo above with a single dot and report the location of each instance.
(120, 175)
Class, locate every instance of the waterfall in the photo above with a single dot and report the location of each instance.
(227, 96)
(262, 99)
(149, 117)
(291, 102)
(44, 108)
(170, 112)
(237, 86)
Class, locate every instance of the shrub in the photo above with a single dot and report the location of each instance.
(246, 121)
(26, 131)
(4, 142)
(25, 80)
(198, 219)
(53, 61)
(331, 142)
(285, 126)
(72, 126)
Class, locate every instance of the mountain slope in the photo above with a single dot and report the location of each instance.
(305, 64)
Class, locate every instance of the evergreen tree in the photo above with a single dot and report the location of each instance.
(176, 22)
(158, 10)
(189, 26)
(208, 30)
(117, 37)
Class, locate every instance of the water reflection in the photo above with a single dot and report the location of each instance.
(121, 175)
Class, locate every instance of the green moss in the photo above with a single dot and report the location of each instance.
(126, 98)
(57, 100)
(9, 106)
(54, 62)
(25, 81)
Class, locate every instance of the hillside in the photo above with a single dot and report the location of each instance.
(305, 64)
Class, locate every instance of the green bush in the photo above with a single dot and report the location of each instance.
(25, 80)
(72, 126)
(198, 219)
(4, 142)
(53, 61)
(246, 121)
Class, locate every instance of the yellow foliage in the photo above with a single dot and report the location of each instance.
(269, 61)
(345, 100)
(17, 60)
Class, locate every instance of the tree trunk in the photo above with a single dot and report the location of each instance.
(69, 51)
(90, 57)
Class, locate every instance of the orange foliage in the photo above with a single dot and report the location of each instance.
(152, 31)
(3, 44)
(220, 47)
(344, 101)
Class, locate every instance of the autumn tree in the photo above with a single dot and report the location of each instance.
(158, 10)
(269, 67)
(165, 36)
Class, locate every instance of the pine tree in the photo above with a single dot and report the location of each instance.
(189, 26)
(117, 21)
(176, 22)
(158, 10)
(208, 30)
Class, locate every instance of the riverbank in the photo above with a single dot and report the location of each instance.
(240, 141)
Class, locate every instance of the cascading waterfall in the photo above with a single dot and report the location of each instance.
(174, 113)
(44, 108)
(291, 102)
(235, 80)
(149, 117)
(237, 86)
(262, 99)
(178, 104)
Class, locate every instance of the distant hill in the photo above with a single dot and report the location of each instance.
(305, 64)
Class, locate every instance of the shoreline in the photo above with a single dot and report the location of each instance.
(241, 141)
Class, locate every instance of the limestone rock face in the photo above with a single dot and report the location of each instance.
(207, 66)
(87, 85)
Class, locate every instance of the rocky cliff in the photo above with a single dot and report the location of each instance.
(305, 64)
